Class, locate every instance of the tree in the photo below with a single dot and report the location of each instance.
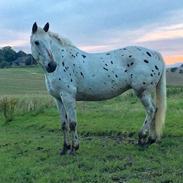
(3, 64)
(9, 54)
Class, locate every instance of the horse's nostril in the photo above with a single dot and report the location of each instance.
(49, 64)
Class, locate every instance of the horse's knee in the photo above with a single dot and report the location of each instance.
(72, 126)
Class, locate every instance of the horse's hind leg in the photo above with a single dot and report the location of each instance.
(147, 133)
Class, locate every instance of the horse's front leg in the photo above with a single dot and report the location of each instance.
(69, 103)
(64, 127)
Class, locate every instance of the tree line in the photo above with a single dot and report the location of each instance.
(11, 58)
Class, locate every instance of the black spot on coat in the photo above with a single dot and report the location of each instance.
(105, 68)
(84, 56)
(72, 126)
(148, 54)
(146, 61)
(156, 67)
(67, 67)
(82, 74)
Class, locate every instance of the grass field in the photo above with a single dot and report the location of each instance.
(29, 145)
(22, 81)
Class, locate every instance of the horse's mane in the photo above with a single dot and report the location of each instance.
(63, 41)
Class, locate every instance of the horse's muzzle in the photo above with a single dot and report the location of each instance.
(51, 67)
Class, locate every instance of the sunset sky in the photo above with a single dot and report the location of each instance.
(98, 25)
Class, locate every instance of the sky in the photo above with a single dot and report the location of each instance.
(98, 25)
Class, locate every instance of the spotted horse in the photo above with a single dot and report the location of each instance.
(74, 75)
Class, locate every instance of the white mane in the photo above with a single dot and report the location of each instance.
(63, 41)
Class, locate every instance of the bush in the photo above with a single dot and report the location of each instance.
(7, 106)
(173, 69)
(19, 105)
(4, 64)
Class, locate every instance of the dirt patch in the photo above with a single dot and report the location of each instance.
(118, 137)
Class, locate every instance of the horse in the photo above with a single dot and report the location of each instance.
(74, 75)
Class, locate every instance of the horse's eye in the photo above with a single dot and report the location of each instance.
(36, 43)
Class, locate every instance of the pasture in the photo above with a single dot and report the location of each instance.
(30, 143)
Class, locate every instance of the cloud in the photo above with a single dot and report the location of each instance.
(17, 40)
(96, 25)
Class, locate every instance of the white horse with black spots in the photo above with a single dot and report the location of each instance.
(73, 75)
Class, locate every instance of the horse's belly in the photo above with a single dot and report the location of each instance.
(104, 93)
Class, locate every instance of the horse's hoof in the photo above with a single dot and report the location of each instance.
(151, 140)
(142, 143)
(65, 149)
(76, 147)
(72, 152)
(63, 152)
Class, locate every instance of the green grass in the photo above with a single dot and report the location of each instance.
(29, 145)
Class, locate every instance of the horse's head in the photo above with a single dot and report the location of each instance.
(41, 47)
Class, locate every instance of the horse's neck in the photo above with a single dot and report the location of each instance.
(61, 52)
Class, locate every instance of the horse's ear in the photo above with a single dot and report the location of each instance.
(46, 27)
(34, 27)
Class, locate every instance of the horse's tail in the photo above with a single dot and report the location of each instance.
(160, 103)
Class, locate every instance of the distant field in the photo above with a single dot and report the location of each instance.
(108, 130)
(22, 81)
(175, 78)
